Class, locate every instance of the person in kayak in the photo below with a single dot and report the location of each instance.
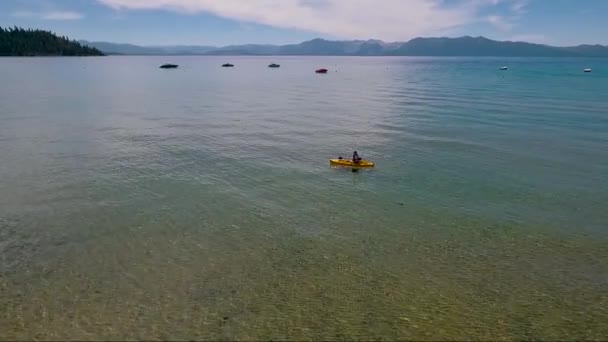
(356, 158)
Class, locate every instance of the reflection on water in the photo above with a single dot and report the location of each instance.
(199, 204)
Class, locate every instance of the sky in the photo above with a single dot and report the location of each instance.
(226, 22)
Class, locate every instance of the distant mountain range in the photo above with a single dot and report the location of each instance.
(463, 46)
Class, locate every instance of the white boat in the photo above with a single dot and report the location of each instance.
(587, 70)
(504, 68)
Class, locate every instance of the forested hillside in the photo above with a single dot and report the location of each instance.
(20, 42)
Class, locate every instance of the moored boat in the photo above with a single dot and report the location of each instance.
(169, 66)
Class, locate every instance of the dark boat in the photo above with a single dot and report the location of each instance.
(227, 65)
(321, 71)
(274, 65)
(169, 66)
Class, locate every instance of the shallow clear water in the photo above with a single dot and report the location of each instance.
(198, 203)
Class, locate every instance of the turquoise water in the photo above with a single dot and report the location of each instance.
(198, 203)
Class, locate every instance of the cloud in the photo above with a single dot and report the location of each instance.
(514, 11)
(62, 15)
(519, 7)
(50, 15)
(500, 22)
(384, 19)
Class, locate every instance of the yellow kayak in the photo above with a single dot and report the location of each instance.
(348, 162)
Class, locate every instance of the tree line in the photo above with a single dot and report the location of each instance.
(16, 41)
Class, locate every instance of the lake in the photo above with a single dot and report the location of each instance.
(199, 203)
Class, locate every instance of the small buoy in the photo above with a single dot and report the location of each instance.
(587, 70)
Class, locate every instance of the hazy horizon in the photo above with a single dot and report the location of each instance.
(328, 39)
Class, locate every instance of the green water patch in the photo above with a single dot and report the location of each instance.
(252, 276)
